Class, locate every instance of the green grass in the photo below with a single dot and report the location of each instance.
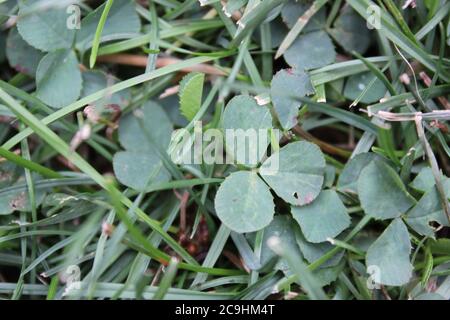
(69, 211)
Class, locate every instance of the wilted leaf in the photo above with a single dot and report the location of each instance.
(326, 217)
(296, 172)
(286, 85)
(382, 192)
(244, 203)
(389, 255)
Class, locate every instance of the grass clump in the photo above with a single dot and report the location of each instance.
(118, 178)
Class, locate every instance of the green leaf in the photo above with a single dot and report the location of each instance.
(262, 11)
(94, 81)
(300, 24)
(58, 78)
(286, 85)
(325, 276)
(350, 31)
(326, 217)
(348, 180)
(440, 246)
(424, 181)
(45, 29)
(314, 251)
(390, 254)
(246, 126)
(296, 172)
(8, 174)
(138, 170)
(282, 228)
(382, 192)
(21, 56)
(141, 133)
(278, 31)
(299, 270)
(357, 84)
(330, 176)
(123, 22)
(293, 10)
(428, 209)
(150, 122)
(191, 92)
(244, 203)
(311, 51)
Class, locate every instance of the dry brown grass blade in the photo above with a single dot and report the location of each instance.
(141, 61)
(326, 147)
(427, 80)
